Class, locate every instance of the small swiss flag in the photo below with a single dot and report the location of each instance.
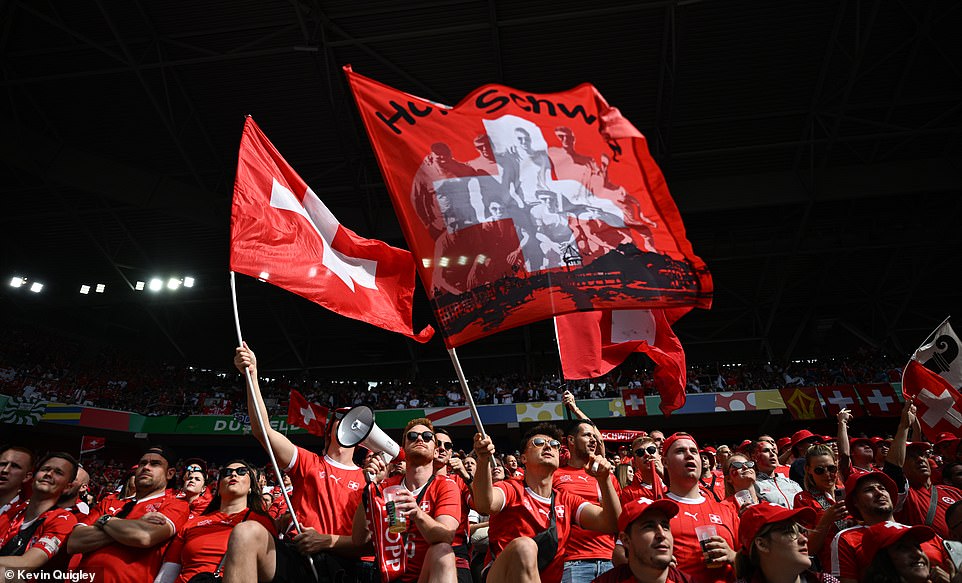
(91, 443)
(309, 416)
(634, 402)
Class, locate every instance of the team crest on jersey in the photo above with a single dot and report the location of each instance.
(322, 474)
(152, 508)
(205, 522)
(426, 506)
(565, 478)
(559, 511)
(715, 518)
(947, 500)
(352, 485)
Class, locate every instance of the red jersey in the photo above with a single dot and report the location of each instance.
(441, 498)
(702, 511)
(808, 500)
(201, 544)
(120, 563)
(848, 563)
(585, 544)
(623, 574)
(526, 514)
(463, 534)
(49, 536)
(915, 508)
(199, 505)
(638, 489)
(326, 493)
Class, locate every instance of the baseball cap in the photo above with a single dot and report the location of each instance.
(633, 510)
(164, 452)
(885, 534)
(757, 516)
(804, 435)
(675, 437)
(782, 443)
(851, 486)
(854, 440)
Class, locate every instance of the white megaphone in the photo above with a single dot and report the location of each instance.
(358, 428)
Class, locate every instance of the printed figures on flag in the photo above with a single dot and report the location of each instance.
(940, 354)
(519, 206)
(282, 233)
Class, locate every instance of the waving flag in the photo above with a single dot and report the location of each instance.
(520, 206)
(91, 443)
(939, 409)
(306, 415)
(282, 233)
(880, 399)
(838, 397)
(940, 354)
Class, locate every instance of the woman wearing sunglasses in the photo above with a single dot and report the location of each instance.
(774, 543)
(821, 476)
(740, 476)
(197, 551)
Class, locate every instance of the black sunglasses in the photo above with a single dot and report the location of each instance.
(641, 451)
(228, 472)
(742, 465)
(424, 435)
(540, 441)
(820, 470)
(446, 445)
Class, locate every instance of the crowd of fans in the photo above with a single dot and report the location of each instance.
(37, 366)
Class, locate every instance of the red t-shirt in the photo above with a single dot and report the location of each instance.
(807, 500)
(120, 563)
(847, 563)
(49, 536)
(201, 544)
(703, 511)
(463, 534)
(526, 514)
(585, 544)
(916, 506)
(623, 574)
(638, 489)
(326, 493)
(441, 498)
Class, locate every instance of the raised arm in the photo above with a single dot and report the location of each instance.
(602, 518)
(844, 448)
(896, 455)
(284, 450)
(487, 499)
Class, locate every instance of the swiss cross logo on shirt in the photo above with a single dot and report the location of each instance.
(426, 506)
(205, 522)
(565, 478)
(322, 474)
(152, 508)
(559, 511)
(715, 518)
(352, 485)
(895, 525)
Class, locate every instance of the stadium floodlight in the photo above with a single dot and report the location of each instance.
(156, 284)
(100, 288)
(17, 281)
(188, 282)
(139, 286)
(36, 286)
(85, 289)
(173, 283)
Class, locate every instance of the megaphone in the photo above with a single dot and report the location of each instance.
(358, 428)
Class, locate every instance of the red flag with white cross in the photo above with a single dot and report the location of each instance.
(91, 443)
(521, 206)
(879, 399)
(838, 397)
(282, 233)
(634, 402)
(938, 406)
(306, 415)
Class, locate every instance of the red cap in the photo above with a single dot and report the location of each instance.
(782, 443)
(851, 485)
(743, 446)
(854, 440)
(757, 516)
(675, 437)
(804, 435)
(633, 509)
(945, 439)
(918, 445)
(829, 438)
(885, 534)
(709, 451)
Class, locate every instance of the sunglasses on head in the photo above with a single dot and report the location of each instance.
(228, 472)
(650, 450)
(742, 465)
(424, 435)
(194, 468)
(446, 445)
(820, 470)
(540, 441)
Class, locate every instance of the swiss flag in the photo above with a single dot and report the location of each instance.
(309, 416)
(91, 443)
(593, 343)
(838, 397)
(282, 233)
(937, 400)
(634, 402)
(880, 399)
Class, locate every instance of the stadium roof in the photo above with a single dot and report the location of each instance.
(813, 149)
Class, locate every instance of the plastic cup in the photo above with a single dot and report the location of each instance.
(744, 498)
(396, 523)
(704, 533)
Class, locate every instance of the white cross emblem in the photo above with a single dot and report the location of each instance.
(352, 485)
(715, 518)
(939, 407)
(308, 414)
(644, 500)
(881, 401)
(426, 506)
(634, 403)
(840, 400)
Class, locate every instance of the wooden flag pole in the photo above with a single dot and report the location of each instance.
(469, 398)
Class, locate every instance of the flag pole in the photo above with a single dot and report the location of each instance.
(257, 413)
(468, 397)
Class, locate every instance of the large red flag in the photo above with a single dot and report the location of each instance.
(520, 206)
(309, 416)
(593, 343)
(938, 403)
(282, 233)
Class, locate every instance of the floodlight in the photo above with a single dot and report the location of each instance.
(35, 287)
(156, 284)
(85, 289)
(139, 286)
(173, 283)
(17, 281)
(100, 288)
(188, 282)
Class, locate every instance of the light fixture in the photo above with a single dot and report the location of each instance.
(36, 286)
(17, 281)
(173, 283)
(156, 284)
(100, 288)
(85, 289)
(188, 282)
(139, 286)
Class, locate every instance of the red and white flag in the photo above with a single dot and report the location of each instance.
(91, 443)
(593, 343)
(520, 206)
(309, 416)
(634, 400)
(838, 397)
(880, 399)
(939, 409)
(282, 233)
(940, 354)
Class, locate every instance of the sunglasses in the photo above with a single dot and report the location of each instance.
(194, 468)
(650, 450)
(424, 435)
(228, 472)
(742, 465)
(445, 445)
(540, 441)
(820, 470)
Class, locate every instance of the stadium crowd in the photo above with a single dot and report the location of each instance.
(558, 506)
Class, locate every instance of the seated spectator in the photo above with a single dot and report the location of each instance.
(740, 476)
(195, 491)
(821, 473)
(644, 530)
(772, 486)
(774, 545)
(894, 554)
